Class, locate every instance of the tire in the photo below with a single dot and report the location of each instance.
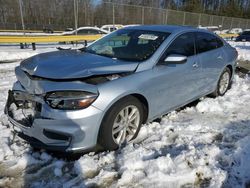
(107, 138)
(221, 91)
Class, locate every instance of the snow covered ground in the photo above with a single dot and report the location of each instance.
(28, 34)
(243, 49)
(10, 53)
(204, 145)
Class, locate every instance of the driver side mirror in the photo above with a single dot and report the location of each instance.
(175, 59)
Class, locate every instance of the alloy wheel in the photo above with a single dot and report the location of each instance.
(224, 82)
(126, 124)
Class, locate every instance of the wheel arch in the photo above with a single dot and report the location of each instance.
(144, 102)
(142, 99)
(231, 69)
(226, 66)
(138, 96)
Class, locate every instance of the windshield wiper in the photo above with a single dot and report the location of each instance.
(83, 49)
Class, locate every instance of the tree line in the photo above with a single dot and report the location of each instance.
(60, 13)
(230, 8)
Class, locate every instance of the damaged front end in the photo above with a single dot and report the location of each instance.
(53, 101)
(56, 114)
(22, 108)
(36, 121)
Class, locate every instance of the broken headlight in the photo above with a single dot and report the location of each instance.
(70, 100)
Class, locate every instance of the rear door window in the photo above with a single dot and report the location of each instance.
(206, 42)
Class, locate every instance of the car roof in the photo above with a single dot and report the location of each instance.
(96, 28)
(112, 25)
(162, 28)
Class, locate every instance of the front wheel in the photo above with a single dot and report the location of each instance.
(121, 123)
(223, 83)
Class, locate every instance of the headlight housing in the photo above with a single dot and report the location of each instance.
(70, 100)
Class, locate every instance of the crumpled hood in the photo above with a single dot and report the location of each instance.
(70, 64)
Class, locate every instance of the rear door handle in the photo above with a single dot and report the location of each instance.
(195, 65)
(220, 57)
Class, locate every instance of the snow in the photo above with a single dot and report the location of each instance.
(10, 53)
(28, 34)
(202, 145)
(243, 49)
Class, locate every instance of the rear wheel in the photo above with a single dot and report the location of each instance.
(121, 123)
(223, 84)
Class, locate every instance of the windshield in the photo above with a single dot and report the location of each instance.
(128, 44)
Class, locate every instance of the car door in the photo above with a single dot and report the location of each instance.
(176, 84)
(211, 58)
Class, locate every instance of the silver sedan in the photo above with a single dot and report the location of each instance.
(73, 100)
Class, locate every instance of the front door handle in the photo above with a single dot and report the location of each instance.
(195, 65)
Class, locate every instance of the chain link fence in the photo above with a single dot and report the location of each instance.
(129, 14)
(60, 16)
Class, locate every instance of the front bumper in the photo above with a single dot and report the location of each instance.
(51, 129)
